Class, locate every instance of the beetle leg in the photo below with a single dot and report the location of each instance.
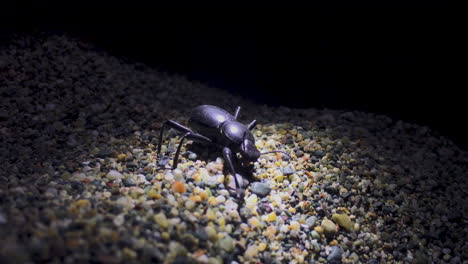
(174, 125)
(192, 136)
(236, 113)
(252, 124)
(181, 128)
(227, 153)
(188, 134)
(176, 157)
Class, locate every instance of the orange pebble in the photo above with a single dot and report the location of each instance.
(195, 198)
(278, 155)
(178, 187)
(203, 195)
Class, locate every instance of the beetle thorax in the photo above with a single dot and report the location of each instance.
(233, 131)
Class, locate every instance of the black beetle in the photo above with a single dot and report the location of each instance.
(214, 126)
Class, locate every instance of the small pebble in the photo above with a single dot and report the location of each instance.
(288, 170)
(227, 243)
(343, 221)
(114, 175)
(260, 188)
(3, 219)
(192, 156)
(310, 221)
(161, 220)
(328, 226)
(335, 255)
(179, 187)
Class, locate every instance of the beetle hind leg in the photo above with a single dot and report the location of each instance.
(172, 124)
(188, 134)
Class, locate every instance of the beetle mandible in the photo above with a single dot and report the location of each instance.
(211, 125)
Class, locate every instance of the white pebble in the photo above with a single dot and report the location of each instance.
(119, 220)
(178, 174)
(220, 199)
(114, 175)
(169, 176)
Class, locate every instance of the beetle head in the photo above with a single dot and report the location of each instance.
(248, 150)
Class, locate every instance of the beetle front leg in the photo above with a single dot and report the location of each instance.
(227, 153)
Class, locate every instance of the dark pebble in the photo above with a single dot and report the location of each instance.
(190, 180)
(164, 161)
(260, 188)
(96, 183)
(319, 153)
(299, 153)
(183, 260)
(132, 164)
(346, 195)
(77, 186)
(104, 153)
(320, 212)
(129, 182)
(149, 177)
(335, 255)
(201, 234)
(331, 190)
(288, 170)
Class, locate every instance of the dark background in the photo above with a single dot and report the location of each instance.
(398, 61)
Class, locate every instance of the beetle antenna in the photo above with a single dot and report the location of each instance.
(273, 151)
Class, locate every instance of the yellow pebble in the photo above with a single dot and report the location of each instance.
(245, 227)
(196, 198)
(129, 253)
(271, 217)
(262, 246)
(82, 203)
(292, 210)
(318, 229)
(161, 219)
(165, 235)
(279, 178)
(334, 243)
(222, 222)
(203, 195)
(121, 157)
(210, 214)
(212, 201)
(344, 221)
(153, 194)
(271, 231)
(253, 222)
(294, 225)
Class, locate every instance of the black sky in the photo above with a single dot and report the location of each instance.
(398, 61)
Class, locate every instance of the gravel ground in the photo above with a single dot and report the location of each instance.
(79, 181)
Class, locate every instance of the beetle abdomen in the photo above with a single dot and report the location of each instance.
(207, 119)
